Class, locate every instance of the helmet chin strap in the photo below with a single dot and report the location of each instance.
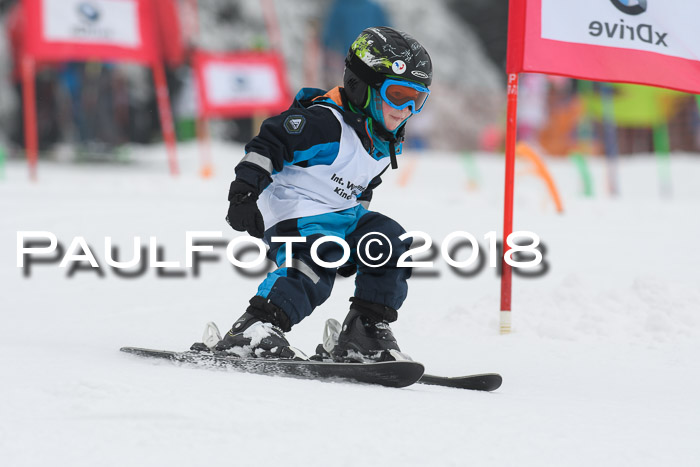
(393, 138)
(398, 139)
(392, 155)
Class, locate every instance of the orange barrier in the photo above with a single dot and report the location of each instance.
(206, 169)
(524, 150)
(407, 172)
(557, 135)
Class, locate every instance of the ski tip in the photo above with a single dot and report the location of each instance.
(132, 350)
(129, 349)
(482, 382)
(496, 381)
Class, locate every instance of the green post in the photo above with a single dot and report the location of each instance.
(585, 172)
(473, 178)
(584, 134)
(662, 149)
(3, 156)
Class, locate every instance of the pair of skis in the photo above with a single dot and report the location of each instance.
(396, 374)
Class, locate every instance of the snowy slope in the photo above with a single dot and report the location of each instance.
(601, 369)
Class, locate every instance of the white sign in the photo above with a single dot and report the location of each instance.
(229, 83)
(668, 27)
(110, 22)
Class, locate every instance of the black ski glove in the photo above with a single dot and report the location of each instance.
(243, 213)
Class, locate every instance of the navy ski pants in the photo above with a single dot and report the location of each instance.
(299, 289)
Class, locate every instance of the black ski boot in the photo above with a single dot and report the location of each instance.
(366, 335)
(259, 332)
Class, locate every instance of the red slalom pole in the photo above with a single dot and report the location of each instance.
(511, 129)
(272, 25)
(166, 117)
(31, 136)
(192, 18)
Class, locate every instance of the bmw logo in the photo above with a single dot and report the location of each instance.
(88, 12)
(631, 7)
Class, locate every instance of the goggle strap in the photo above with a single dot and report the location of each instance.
(409, 84)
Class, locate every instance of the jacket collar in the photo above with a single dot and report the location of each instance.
(337, 99)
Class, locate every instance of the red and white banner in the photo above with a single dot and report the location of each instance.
(86, 30)
(61, 30)
(240, 84)
(651, 42)
(169, 33)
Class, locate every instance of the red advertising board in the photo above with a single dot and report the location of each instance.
(115, 30)
(650, 42)
(240, 84)
(87, 30)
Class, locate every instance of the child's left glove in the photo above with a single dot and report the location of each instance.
(243, 213)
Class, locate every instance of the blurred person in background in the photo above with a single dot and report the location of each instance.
(311, 172)
(343, 20)
(98, 106)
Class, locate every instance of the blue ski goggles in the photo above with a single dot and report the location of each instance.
(401, 94)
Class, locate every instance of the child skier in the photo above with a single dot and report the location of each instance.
(310, 173)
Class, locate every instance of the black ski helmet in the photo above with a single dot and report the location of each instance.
(379, 53)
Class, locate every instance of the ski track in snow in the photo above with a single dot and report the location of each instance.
(601, 368)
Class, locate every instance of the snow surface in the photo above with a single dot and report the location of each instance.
(601, 369)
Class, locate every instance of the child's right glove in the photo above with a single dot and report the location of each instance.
(243, 213)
